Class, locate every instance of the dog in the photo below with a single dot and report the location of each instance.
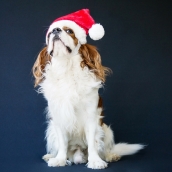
(69, 74)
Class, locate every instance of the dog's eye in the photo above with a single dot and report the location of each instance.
(69, 31)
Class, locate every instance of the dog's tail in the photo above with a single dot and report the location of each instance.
(123, 149)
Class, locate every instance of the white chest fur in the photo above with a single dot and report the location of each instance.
(65, 78)
(69, 89)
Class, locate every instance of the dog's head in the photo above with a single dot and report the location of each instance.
(66, 38)
(63, 39)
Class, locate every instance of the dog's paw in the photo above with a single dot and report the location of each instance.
(97, 164)
(56, 162)
(47, 157)
(112, 157)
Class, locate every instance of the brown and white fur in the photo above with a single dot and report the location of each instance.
(69, 76)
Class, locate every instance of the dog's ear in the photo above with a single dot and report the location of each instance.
(91, 59)
(39, 65)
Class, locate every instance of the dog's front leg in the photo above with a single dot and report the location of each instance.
(60, 159)
(94, 161)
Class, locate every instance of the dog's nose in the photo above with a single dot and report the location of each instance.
(56, 30)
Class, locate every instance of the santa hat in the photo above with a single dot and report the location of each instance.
(81, 23)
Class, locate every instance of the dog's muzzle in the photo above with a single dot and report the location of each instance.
(56, 32)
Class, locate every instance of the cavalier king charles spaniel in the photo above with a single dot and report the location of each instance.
(69, 75)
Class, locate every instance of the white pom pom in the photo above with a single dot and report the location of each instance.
(96, 32)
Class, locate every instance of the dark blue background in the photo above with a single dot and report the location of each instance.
(137, 97)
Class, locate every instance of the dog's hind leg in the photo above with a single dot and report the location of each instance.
(109, 143)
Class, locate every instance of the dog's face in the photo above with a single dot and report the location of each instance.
(61, 41)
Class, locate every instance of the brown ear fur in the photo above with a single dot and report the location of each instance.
(39, 65)
(91, 59)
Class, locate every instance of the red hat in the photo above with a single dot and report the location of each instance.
(82, 23)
